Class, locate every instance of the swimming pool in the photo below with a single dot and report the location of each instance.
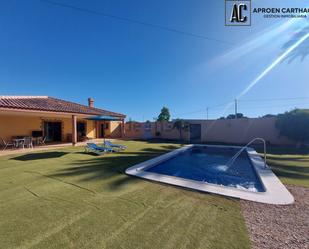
(208, 164)
(206, 168)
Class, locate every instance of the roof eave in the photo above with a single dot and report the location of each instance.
(29, 110)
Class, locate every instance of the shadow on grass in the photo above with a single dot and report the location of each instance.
(162, 141)
(110, 166)
(300, 169)
(288, 158)
(291, 172)
(283, 150)
(164, 148)
(39, 156)
(292, 167)
(288, 174)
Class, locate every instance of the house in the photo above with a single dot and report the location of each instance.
(56, 119)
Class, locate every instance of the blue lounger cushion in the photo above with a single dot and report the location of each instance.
(97, 149)
(112, 145)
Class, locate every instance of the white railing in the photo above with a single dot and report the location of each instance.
(232, 160)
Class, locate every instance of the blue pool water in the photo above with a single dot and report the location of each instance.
(208, 164)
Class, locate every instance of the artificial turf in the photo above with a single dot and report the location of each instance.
(69, 199)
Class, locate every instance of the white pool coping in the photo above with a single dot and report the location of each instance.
(276, 192)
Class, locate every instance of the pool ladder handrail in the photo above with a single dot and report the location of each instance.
(232, 160)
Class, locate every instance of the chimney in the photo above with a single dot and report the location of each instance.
(90, 102)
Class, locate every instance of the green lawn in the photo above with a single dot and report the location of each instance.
(291, 165)
(68, 199)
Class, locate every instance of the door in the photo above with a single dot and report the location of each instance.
(195, 133)
(81, 131)
(52, 131)
(147, 130)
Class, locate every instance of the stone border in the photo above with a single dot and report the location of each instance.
(275, 191)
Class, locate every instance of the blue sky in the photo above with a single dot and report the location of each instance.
(137, 69)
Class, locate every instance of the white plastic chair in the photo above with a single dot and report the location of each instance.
(28, 142)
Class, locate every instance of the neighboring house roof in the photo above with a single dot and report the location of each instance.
(45, 103)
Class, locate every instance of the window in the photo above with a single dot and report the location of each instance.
(106, 126)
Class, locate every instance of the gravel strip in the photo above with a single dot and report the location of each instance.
(277, 226)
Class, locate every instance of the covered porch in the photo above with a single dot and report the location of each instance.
(56, 128)
(108, 126)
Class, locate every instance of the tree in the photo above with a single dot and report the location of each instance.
(180, 125)
(269, 116)
(232, 116)
(294, 125)
(164, 115)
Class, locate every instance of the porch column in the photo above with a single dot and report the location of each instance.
(74, 130)
(122, 128)
(99, 130)
(96, 124)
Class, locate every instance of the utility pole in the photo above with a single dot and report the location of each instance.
(235, 108)
(207, 112)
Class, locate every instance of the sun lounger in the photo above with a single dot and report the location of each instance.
(92, 147)
(116, 146)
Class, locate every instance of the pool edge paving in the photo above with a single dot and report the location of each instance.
(276, 192)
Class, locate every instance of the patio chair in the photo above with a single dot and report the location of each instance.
(27, 143)
(92, 147)
(116, 146)
(7, 144)
(42, 141)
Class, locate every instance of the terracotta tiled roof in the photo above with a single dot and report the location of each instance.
(45, 103)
